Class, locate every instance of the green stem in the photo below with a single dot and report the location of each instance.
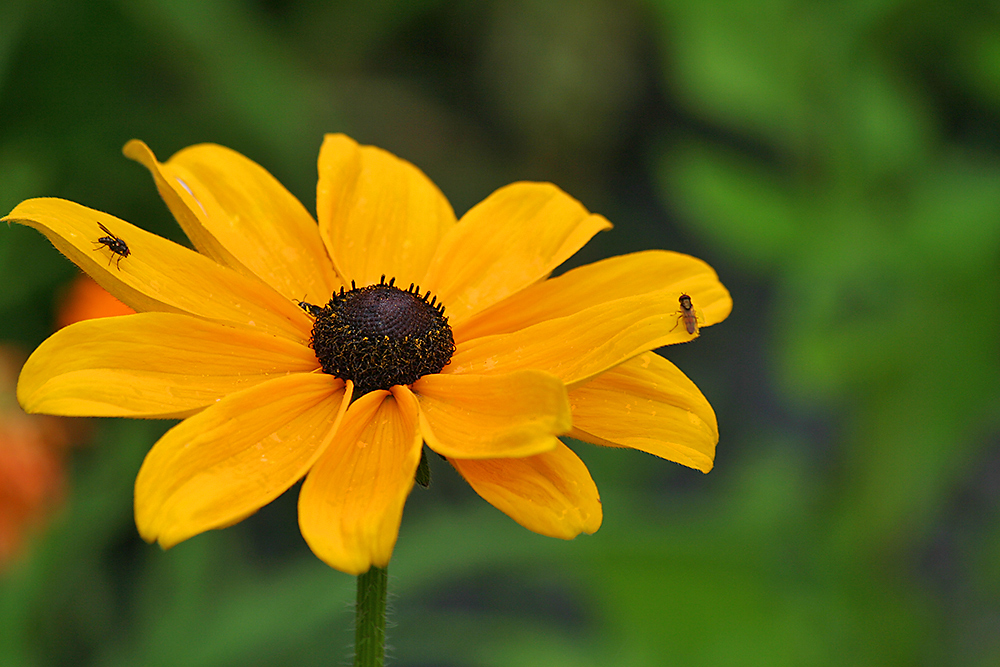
(369, 628)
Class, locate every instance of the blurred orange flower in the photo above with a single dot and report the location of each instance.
(32, 447)
(86, 300)
(32, 472)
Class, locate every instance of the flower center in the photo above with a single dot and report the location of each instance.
(379, 335)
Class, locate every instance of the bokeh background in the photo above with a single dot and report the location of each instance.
(838, 163)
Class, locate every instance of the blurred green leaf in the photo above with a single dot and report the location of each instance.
(742, 209)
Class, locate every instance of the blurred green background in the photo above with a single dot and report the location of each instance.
(838, 163)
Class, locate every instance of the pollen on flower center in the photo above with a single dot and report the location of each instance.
(380, 336)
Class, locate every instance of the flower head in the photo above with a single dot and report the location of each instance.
(291, 347)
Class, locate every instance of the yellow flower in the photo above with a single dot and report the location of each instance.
(224, 339)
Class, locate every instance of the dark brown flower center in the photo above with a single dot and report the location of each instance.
(379, 335)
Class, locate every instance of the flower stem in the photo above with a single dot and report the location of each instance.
(369, 628)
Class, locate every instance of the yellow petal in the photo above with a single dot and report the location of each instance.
(235, 212)
(647, 404)
(159, 275)
(378, 214)
(550, 493)
(580, 346)
(351, 503)
(228, 461)
(605, 281)
(512, 239)
(480, 416)
(151, 365)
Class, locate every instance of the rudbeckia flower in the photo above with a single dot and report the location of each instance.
(333, 349)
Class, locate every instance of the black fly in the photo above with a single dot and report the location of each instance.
(117, 246)
(313, 310)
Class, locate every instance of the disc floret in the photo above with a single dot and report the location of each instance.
(380, 335)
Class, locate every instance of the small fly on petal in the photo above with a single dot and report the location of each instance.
(310, 308)
(117, 246)
(688, 314)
